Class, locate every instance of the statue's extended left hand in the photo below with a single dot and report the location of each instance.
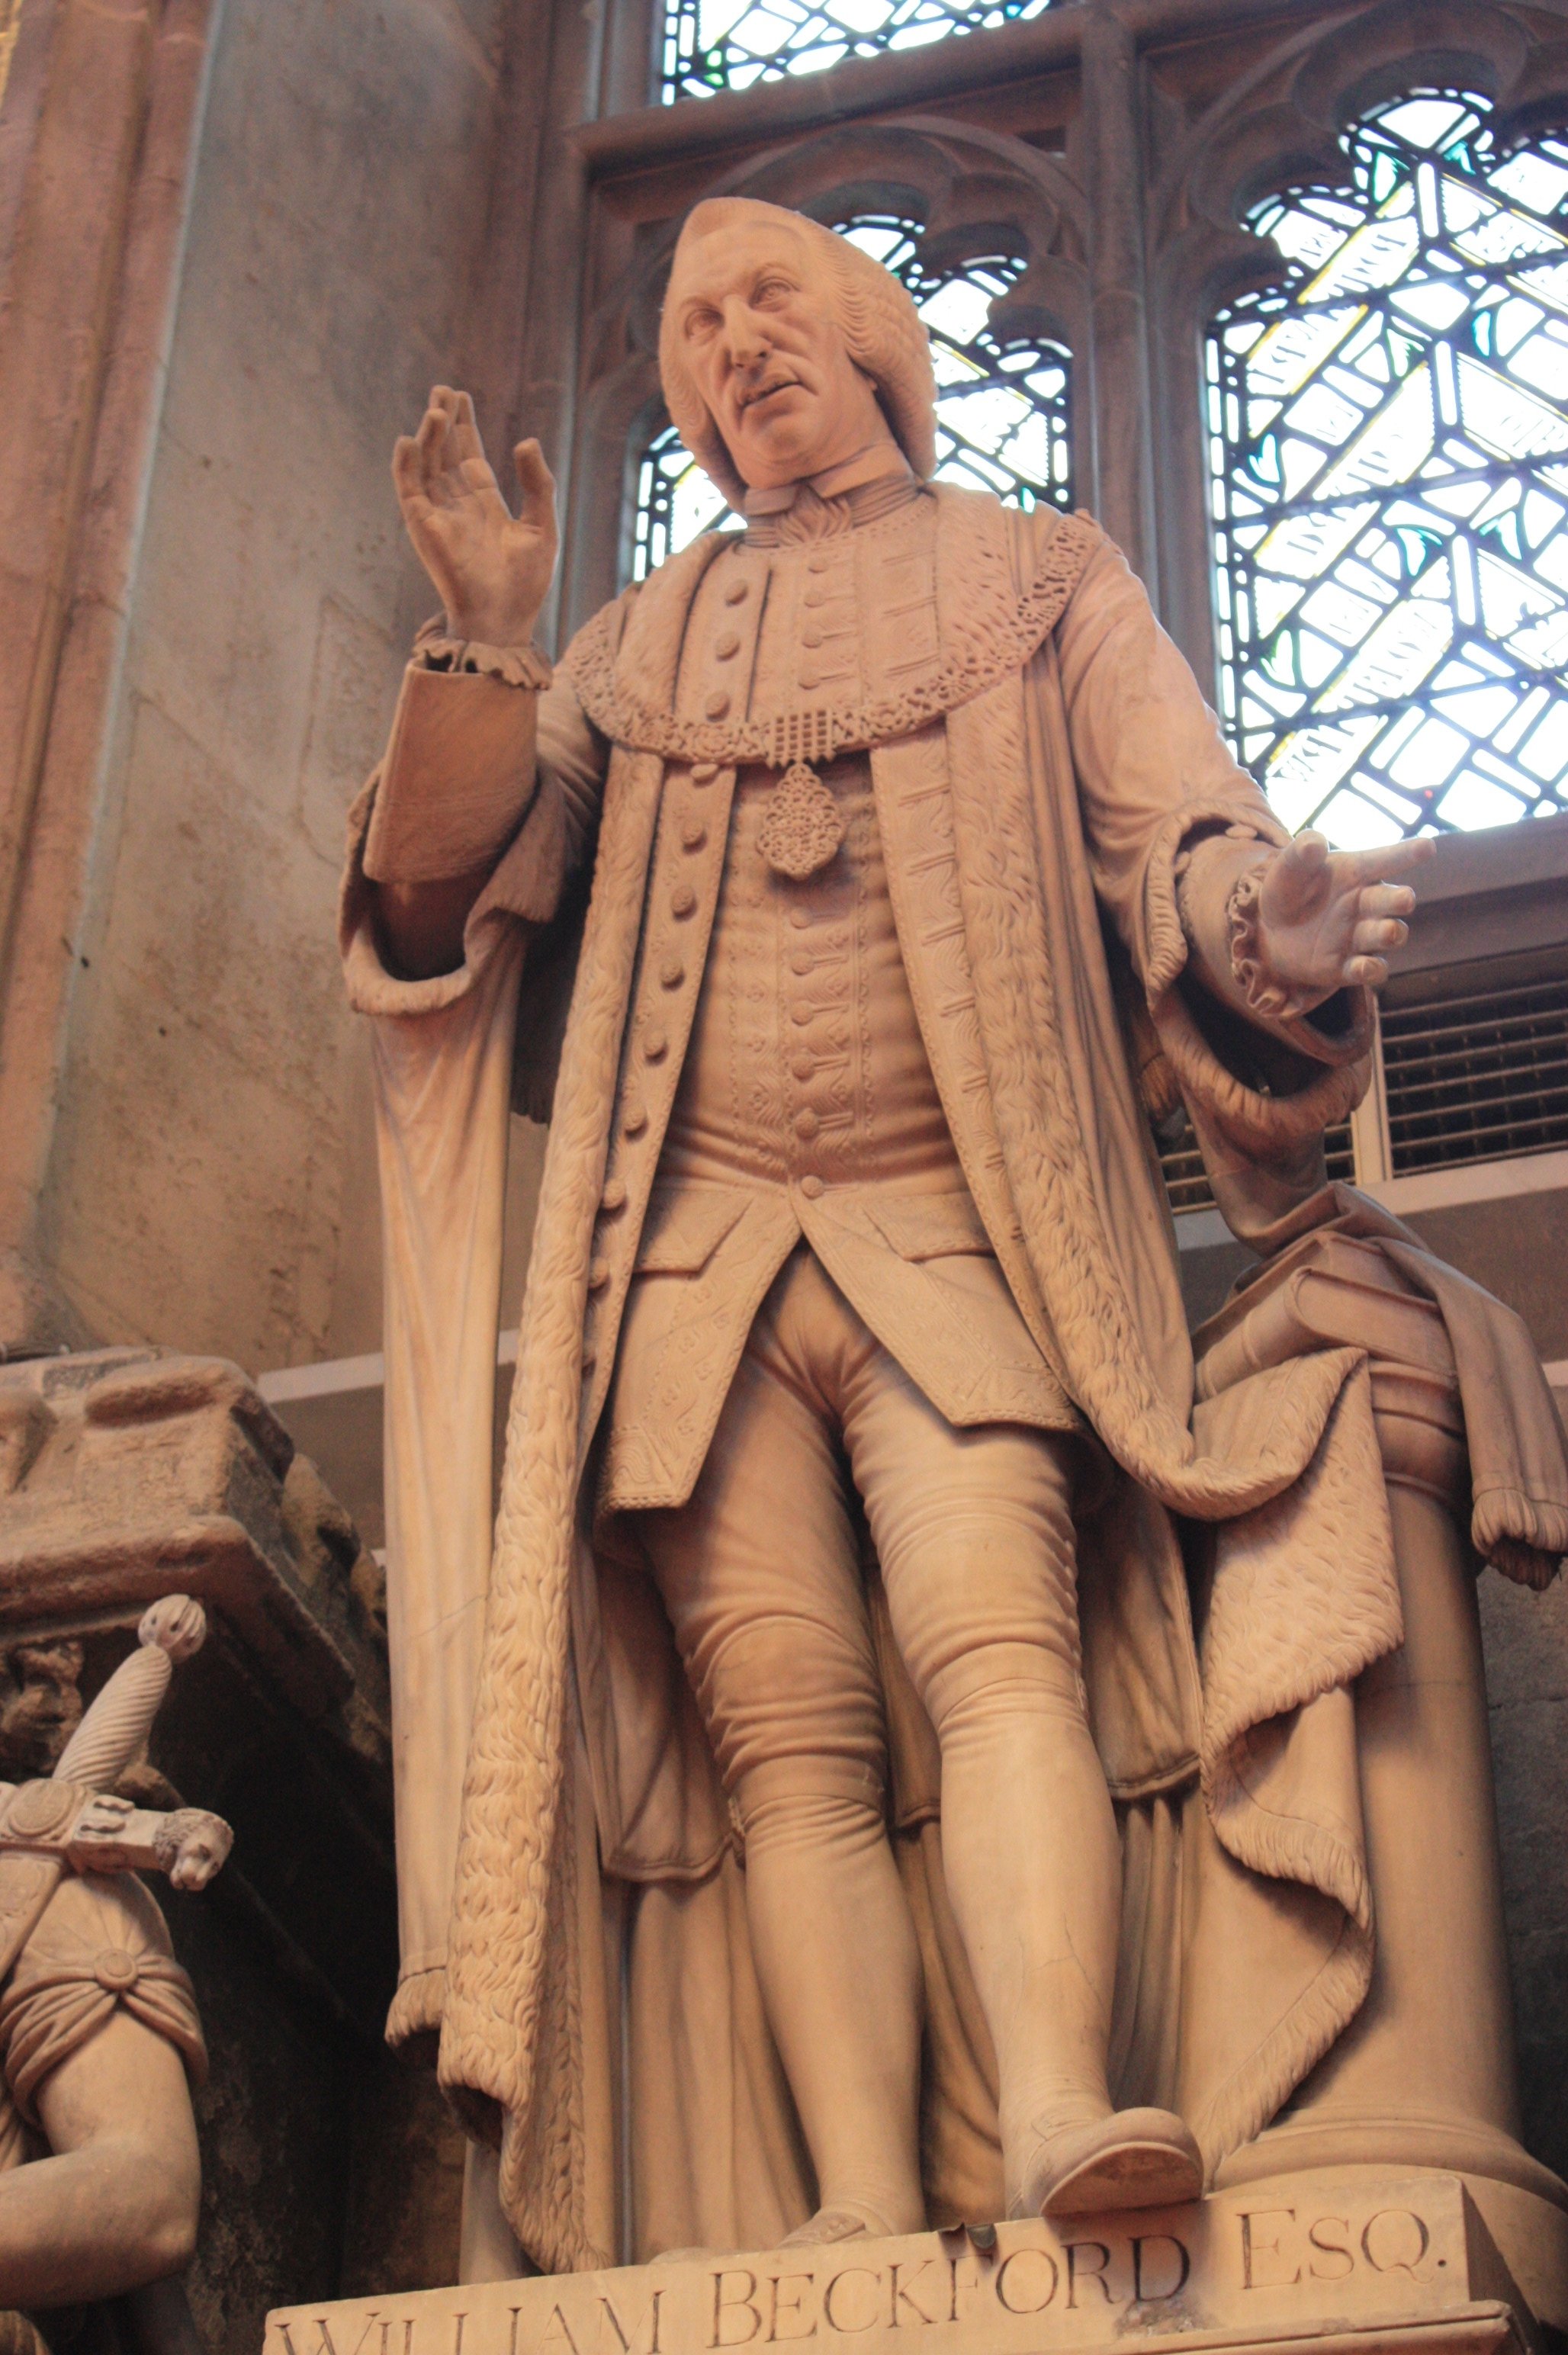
(1327, 919)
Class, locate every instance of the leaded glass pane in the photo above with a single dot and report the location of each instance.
(712, 45)
(675, 502)
(1389, 457)
(1003, 411)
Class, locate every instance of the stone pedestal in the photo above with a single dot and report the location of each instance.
(1424, 2076)
(1349, 2259)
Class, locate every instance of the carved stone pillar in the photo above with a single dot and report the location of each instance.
(94, 196)
(1440, 1983)
(1118, 354)
(1424, 2076)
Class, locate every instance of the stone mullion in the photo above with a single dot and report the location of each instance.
(1186, 283)
(634, 49)
(1112, 129)
(613, 420)
(696, 133)
(558, 234)
(495, 338)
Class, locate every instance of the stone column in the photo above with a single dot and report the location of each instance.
(1440, 1985)
(1424, 2075)
(1111, 119)
(88, 308)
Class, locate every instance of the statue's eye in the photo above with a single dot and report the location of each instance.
(772, 291)
(700, 323)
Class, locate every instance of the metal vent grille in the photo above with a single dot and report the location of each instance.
(1477, 1078)
(1187, 1182)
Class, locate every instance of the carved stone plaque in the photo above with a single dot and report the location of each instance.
(1404, 2254)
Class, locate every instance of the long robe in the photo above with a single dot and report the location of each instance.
(597, 2001)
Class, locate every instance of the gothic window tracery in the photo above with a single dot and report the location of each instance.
(675, 502)
(711, 45)
(1003, 411)
(1389, 475)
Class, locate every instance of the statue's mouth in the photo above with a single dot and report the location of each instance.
(755, 393)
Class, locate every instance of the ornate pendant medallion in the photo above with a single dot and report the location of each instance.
(802, 826)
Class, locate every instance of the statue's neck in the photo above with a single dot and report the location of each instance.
(860, 489)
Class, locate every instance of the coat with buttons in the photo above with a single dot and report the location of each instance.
(1035, 789)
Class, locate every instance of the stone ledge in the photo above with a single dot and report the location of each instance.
(125, 1473)
(1355, 2258)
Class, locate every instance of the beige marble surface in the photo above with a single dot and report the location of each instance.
(1362, 2255)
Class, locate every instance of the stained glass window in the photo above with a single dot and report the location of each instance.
(1388, 450)
(1003, 412)
(712, 45)
(675, 502)
(1003, 408)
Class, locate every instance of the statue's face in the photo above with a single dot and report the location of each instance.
(755, 314)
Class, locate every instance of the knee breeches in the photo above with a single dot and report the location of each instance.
(762, 1571)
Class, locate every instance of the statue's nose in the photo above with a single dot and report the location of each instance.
(745, 334)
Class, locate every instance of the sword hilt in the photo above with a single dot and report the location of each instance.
(118, 1723)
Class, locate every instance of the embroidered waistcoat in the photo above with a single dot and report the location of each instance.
(806, 1103)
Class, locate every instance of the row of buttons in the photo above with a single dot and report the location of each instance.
(671, 969)
(823, 593)
(655, 1038)
(726, 646)
(804, 1064)
(717, 702)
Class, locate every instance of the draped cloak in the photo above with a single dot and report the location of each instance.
(596, 2000)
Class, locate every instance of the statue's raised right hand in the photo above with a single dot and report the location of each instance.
(491, 568)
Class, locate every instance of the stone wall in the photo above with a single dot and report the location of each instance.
(213, 1180)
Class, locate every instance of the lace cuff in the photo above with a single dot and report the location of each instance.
(1268, 999)
(1218, 881)
(436, 649)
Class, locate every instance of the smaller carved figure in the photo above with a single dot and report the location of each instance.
(99, 2040)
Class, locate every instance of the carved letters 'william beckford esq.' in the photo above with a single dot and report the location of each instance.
(930, 1744)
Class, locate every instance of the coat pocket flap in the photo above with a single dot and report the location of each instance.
(685, 1227)
(931, 1226)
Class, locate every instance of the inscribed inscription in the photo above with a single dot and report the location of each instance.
(1353, 2243)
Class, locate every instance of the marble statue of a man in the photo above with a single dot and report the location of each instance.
(893, 866)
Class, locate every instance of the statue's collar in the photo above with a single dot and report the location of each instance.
(858, 490)
(868, 465)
